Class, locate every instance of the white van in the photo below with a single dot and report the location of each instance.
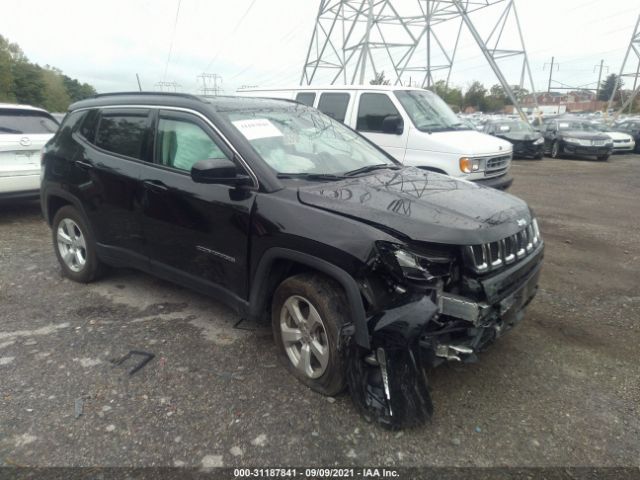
(413, 125)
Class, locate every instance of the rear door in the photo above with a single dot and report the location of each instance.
(197, 232)
(23, 133)
(107, 169)
(372, 109)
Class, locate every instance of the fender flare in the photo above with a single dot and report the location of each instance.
(65, 195)
(258, 290)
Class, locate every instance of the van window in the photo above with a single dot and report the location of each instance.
(306, 98)
(123, 133)
(373, 109)
(334, 105)
(180, 144)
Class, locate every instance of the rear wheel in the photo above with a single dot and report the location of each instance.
(308, 311)
(74, 246)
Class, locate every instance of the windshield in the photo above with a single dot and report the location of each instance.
(21, 122)
(576, 125)
(513, 126)
(303, 141)
(428, 112)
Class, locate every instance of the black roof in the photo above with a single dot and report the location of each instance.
(219, 103)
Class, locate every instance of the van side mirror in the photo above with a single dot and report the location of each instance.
(393, 124)
(220, 171)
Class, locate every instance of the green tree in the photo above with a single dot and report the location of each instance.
(607, 87)
(451, 95)
(379, 80)
(474, 96)
(29, 86)
(76, 90)
(56, 97)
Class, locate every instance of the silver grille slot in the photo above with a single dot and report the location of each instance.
(492, 256)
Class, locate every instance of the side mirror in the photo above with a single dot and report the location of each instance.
(393, 124)
(220, 171)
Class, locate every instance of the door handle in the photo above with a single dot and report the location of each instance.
(83, 165)
(155, 186)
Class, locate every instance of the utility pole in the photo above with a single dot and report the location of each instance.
(599, 77)
(167, 86)
(634, 46)
(553, 59)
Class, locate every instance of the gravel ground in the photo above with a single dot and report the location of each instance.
(561, 389)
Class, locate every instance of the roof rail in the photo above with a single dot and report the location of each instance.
(171, 94)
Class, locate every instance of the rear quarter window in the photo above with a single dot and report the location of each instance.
(306, 98)
(25, 122)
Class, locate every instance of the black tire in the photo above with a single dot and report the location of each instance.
(328, 299)
(555, 150)
(538, 156)
(603, 158)
(93, 268)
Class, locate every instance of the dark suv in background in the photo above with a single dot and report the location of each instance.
(369, 272)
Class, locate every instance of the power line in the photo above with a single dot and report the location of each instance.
(173, 35)
(233, 32)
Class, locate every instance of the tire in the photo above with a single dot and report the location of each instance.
(311, 292)
(538, 156)
(555, 150)
(603, 158)
(73, 241)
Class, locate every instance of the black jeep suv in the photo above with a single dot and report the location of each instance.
(368, 271)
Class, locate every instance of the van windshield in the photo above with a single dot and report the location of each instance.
(300, 141)
(428, 112)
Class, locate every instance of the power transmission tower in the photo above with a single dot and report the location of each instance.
(211, 84)
(356, 39)
(634, 46)
(163, 86)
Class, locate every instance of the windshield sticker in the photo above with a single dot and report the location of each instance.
(255, 128)
(563, 125)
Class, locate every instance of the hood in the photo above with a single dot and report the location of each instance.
(424, 206)
(519, 136)
(462, 142)
(584, 135)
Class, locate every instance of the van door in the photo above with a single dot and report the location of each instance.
(334, 104)
(373, 109)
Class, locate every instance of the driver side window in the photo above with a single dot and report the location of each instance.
(181, 143)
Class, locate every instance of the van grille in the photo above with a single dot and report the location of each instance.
(495, 166)
(493, 256)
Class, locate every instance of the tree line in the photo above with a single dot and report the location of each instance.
(22, 81)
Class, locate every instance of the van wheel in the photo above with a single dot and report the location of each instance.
(555, 150)
(308, 311)
(74, 246)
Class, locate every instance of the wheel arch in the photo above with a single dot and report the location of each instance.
(278, 263)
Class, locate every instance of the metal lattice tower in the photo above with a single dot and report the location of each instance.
(356, 38)
(211, 84)
(634, 46)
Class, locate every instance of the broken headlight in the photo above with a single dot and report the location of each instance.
(417, 269)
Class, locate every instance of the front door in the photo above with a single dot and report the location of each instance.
(195, 231)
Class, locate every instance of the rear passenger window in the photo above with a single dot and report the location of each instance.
(334, 105)
(306, 98)
(373, 109)
(181, 143)
(123, 133)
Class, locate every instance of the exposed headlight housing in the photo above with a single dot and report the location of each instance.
(470, 165)
(539, 141)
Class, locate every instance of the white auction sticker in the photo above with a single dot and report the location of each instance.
(255, 128)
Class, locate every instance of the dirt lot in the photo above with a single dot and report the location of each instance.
(561, 389)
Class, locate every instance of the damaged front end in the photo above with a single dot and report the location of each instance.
(429, 305)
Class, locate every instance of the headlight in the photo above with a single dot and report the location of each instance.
(470, 165)
(418, 269)
(539, 141)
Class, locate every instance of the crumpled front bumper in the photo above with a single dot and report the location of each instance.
(388, 383)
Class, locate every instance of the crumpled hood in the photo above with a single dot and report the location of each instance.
(424, 206)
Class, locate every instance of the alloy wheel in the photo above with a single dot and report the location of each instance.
(71, 245)
(304, 336)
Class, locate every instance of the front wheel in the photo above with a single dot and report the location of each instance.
(74, 246)
(555, 150)
(603, 158)
(308, 311)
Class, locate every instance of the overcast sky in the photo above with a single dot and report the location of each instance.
(265, 42)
